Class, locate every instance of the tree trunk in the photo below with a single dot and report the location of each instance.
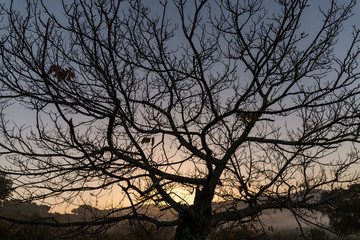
(195, 223)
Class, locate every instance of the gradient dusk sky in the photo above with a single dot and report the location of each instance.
(310, 23)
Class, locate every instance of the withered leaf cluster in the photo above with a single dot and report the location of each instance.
(60, 73)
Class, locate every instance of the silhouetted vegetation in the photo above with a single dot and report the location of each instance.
(168, 106)
(343, 208)
(5, 187)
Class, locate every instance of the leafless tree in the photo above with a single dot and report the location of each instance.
(231, 101)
